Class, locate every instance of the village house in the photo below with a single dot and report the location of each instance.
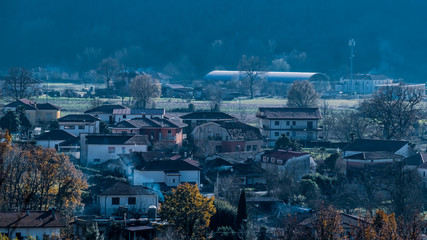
(169, 173)
(37, 224)
(128, 113)
(295, 164)
(136, 199)
(361, 83)
(196, 118)
(35, 112)
(226, 136)
(418, 161)
(163, 133)
(79, 123)
(53, 138)
(98, 148)
(401, 148)
(295, 123)
(115, 113)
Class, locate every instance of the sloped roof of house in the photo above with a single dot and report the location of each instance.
(127, 111)
(416, 159)
(37, 219)
(78, 118)
(105, 109)
(347, 220)
(149, 123)
(207, 115)
(285, 155)
(240, 131)
(368, 145)
(117, 139)
(374, 156)
(289, 113)
(121, 188)
(47, 106)
(55, 135)
(30, 105)
(169, 165)
(73, 142)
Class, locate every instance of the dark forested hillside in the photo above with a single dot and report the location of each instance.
(188, 38)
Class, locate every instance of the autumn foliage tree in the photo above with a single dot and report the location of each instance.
(39, 179)
(328, 224)
(187, 211)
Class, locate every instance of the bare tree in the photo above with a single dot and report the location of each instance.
(107, 68)
(302, 95)
(143, 88)
(395, 109)
(214, 94)
(20, 84)
(349, 125)
(252, 69)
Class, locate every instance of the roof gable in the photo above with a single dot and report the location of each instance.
(78, 118)
(170, 165)
(121, 188)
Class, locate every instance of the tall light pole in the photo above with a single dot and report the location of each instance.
(351, 44)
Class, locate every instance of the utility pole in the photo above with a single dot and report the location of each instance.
(351, 44)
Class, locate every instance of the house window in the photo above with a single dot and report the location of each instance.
(173, 180)
(288, 123)
(287, 134)
(276, 123)
(294, 123)
(248, 148)
(254, 147)
(111, 149)
(115, 201)
(264, 159)
(276, 134)
(424, 173)
(237, 148)
(69, 127)
(81, 127)
(131, 200)
(123, 150)
(124, 116)
(279, 161)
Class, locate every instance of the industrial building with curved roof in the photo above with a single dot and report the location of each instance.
(286, 77)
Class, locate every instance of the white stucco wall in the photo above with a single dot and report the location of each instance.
(48, 143)
(141, 205)
(141, 177)
(101, 152)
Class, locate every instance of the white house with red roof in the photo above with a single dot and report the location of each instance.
(295, 164)
(295, 123)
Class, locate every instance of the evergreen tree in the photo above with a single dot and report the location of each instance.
(242, 214)
(285, 143)
(103, 127)
(24, 123)
(10, 121)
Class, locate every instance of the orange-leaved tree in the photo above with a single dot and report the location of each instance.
(188, 211)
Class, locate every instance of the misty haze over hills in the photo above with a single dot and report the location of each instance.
(187, 39)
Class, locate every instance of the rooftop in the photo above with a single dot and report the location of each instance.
(30, 105)
(238, 130)
(55, 135)
(285, 155)
(289, 113)
(78, 118)
(121, 188)
(374, 156)
(124, 111)
(105, 109)
(117, 139)
(208, 115)
(368, 145)
(37, 219)
(219, 75)
(150, 122)
(169, 165)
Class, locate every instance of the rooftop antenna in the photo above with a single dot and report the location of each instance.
(351, 44)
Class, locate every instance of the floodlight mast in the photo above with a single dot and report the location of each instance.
(351, 44)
